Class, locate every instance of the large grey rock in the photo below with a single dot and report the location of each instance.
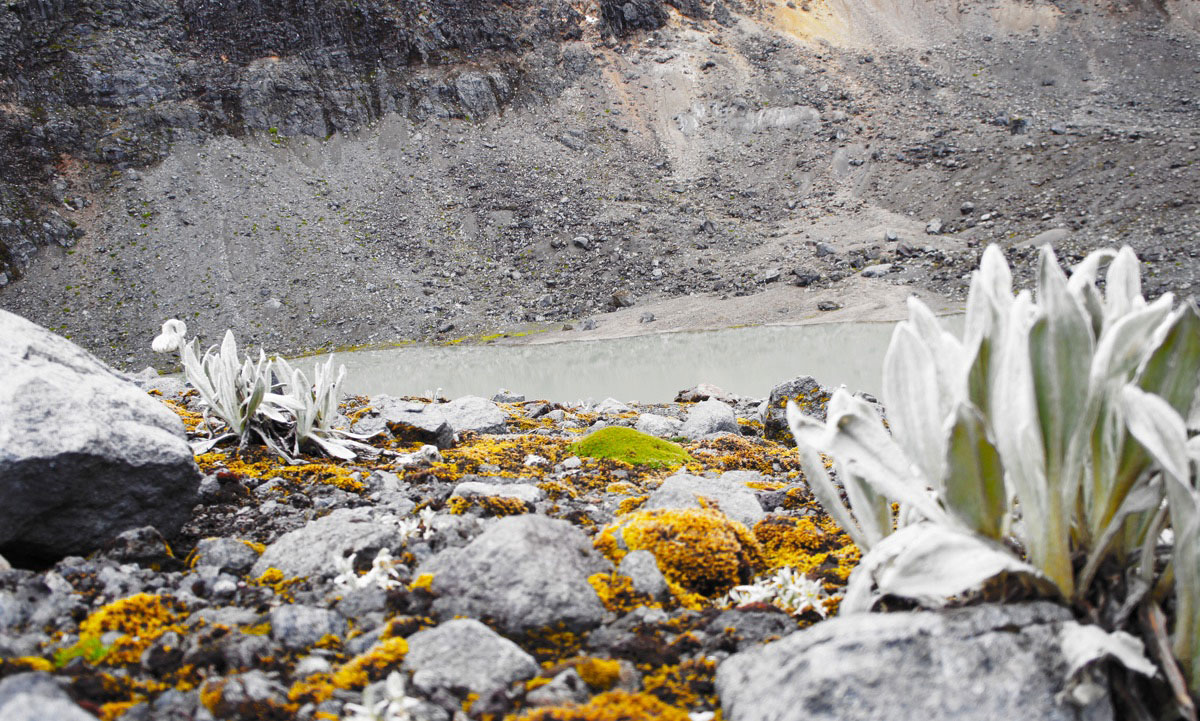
(684, 490)
(642, 569)
(406, 420)
(656, 425)
(297, 626)
(465, 653)
(805, 392)
(36, 697)
(471, 490)
(971, 664)
(710, 416)
(522, 573)
(227, 554)
(473, 413)
(84, 454)
(313, 549)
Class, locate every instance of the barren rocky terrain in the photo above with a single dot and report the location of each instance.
(366, 174)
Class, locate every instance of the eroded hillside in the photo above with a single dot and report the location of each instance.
(328, 173)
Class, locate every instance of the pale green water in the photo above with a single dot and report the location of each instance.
(652, 368)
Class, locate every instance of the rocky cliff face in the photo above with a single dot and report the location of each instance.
(338, 173)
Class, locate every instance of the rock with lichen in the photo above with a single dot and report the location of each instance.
(464, 653)
(522, 573)
(84, 454)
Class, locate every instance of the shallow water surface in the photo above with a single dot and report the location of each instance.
(649, 368)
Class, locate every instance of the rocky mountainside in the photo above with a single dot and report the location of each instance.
(340, 173)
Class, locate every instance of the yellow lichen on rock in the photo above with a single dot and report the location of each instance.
(815, 548)
(610, 706)
(140, 618)
(701, 551)
(601, 674)
(372, 664)
(617, 594)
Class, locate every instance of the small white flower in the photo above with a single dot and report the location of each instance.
(171, 337)
(394, 706)
(787, 589)
(382, 574)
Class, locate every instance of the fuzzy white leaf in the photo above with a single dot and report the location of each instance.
(929, 563)
(911, 395)
(1083, 645)
(1160, 430)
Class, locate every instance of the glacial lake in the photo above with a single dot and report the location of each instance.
(649, 368)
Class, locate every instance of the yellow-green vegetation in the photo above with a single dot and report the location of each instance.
(813, 547)
(684, 685)
(630, 446)
(701, 552)
(610, 706)
(600, 674)
(371, 665)
(140, 618)
(497, 506)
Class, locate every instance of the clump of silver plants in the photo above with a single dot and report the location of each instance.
(267, 399)
(1054, 446)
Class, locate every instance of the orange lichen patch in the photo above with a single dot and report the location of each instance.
(817, 548)
(506, 453)
(624, 488)
(140, 618)
(610, 706)
(424, 582)
(497, 506)
(191, 419)
(314, 689)
(212, 696)
(551, 644)
(617, 594)
(701, 552)
(631, 504)
(687, 685)
(766, 485)
(555, 490)
(406, 625)
(9, 666)
(255, 546)
(372, 664)
(116, 709)
(736, 453)
(273, 579)
(599, 673)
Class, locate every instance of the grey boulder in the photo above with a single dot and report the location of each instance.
(474, 413)
(84, 453)
(656, 425)
(407, 421)
(297, 626)
(313, 549)
(684, 490)
(522, 573)
(707, 417)
(970, 664)
(36, 697)
(464, 653)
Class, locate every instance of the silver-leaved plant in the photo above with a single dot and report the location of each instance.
(1048, 442)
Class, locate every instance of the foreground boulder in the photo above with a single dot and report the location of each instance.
(523, 573)
(806, 393)
(84, 454)
(979, 663)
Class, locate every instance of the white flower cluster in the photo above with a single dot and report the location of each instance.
(392, 705)
(787, 589)
(382, 574)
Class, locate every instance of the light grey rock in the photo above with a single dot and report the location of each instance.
(36, 697)
(4, 565)
(476, 489)
(656, 425)
(523, 572)
(297, 626)
(565, 688)
(84, 454)
(934, 226)
(506, 396)
(473, 413)
(467, 654)
(970, 664)
(683, 490)
(611, 405)
(313, 549)
(877, 271)
(703, 392)
(642, 568)
(227, 554)
(710, 416)
(406, 420)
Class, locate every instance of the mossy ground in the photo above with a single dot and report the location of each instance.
(664, 672)
(633, 447)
